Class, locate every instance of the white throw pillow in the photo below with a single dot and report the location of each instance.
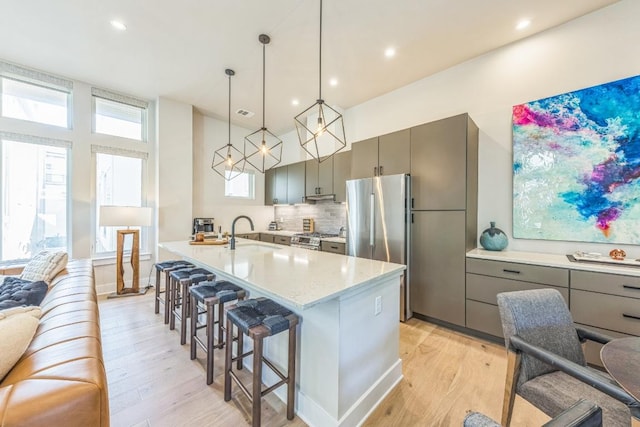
(44, 266)
(17, 327)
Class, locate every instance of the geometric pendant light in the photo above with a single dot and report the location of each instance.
(320, 128)
(228, 161)
(262, 149)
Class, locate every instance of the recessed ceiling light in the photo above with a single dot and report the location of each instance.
(118, 25)
(333, 82)
(295, 102)
(389, 52)
(523, 24)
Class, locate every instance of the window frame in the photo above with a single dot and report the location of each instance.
(125, 100)
(252, 186)
(145, 232)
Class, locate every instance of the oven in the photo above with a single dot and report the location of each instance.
(309, 241)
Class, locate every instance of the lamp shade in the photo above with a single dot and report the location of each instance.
(115, 216)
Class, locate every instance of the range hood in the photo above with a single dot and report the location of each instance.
(319, 197)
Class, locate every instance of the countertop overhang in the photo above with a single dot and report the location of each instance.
(297, 277)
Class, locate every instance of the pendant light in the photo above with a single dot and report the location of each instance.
(228, 161)
(320, 128)
(262, 149)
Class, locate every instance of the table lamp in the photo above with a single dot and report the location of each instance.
(129, 216)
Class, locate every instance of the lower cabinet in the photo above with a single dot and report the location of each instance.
(334, 247)
(250, 236)
(264, 237)
(486, 279)
(282, 240)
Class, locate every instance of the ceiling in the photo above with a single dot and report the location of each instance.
(180, 49)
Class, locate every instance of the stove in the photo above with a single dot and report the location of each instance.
(309, 240)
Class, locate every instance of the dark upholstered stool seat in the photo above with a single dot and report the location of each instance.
(260, 318)
(210, 295)
(179, 283)
(166, 267)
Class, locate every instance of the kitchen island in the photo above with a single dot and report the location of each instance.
(348, 349)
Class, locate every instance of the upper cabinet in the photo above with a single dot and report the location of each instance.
(319, 177)
(295, 182)
(275, 185)
(269, 186)
(442, 152)
(384, 155)
(341, 173)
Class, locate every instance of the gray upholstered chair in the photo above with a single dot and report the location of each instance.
(581, 414)
(546, 364)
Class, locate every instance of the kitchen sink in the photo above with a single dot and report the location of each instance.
(257, 248)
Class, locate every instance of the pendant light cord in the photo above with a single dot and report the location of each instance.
(229, 115)
(320, 56)
(264, 46)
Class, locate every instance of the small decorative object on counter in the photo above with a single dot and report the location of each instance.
(617, 254)
(493, 239)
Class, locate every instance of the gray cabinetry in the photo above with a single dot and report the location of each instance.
(280, 185)
(385, 155)
(486, 279)
(295, 182)
(341, 173)
(319, 177)
(269, 186)
(250, 236)
(608, 302)
(438, 265)
(334, 247)
(265, 237)
(282, 240)
(444, 216)
(441, 153)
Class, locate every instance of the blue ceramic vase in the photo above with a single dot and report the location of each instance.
(493, 239)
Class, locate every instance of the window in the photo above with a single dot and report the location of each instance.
(35, 103)
(118, 182)
(119, 115)
(242, 186)
(35, 200)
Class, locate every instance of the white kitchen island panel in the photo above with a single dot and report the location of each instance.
(348, 356)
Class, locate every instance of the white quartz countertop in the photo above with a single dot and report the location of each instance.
(555, 260)
(294, 276)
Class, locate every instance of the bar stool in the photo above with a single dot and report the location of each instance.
(179, 283)
(260, 318)
(210, 295)
(166, 267)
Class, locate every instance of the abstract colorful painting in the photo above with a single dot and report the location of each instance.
(576, 165)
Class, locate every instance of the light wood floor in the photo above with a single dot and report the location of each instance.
(152, 381)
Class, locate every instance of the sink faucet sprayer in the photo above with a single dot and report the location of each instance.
(232, 242)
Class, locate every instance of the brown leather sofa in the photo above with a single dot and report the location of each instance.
(61, 379)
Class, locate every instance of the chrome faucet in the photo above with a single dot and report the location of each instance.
(232, 242)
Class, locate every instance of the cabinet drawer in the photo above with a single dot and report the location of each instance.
(606, 311)
(592, 348)
(625, 286)
(484, 318)
(485, 288)
(266, 237)
(336, 248)
(282, 240)
(527, 273)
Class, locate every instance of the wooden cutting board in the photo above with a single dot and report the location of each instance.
(210, 242)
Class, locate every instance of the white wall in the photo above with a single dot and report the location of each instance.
(209, 134)
(591, 50)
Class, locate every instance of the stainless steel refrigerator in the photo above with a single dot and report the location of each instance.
(378, 224)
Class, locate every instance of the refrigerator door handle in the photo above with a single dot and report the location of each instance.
(371, 219)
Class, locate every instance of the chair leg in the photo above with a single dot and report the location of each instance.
(210, 340)
(220, 324)
(184, 312)
(513, 370)
(291, 373)
(256, 395)
(194, 326)
(240, 347)
(157, 305)
(167, 297)
(174, 296)
(227, 361)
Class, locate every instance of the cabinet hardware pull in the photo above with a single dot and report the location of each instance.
(635, 288)
(380, 170)
(375, 171)
(510, 271)
(334, 247)
(412, 203)
(629, 316)
(411, 218)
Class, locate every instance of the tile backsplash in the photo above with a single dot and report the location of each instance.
(328, 216)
